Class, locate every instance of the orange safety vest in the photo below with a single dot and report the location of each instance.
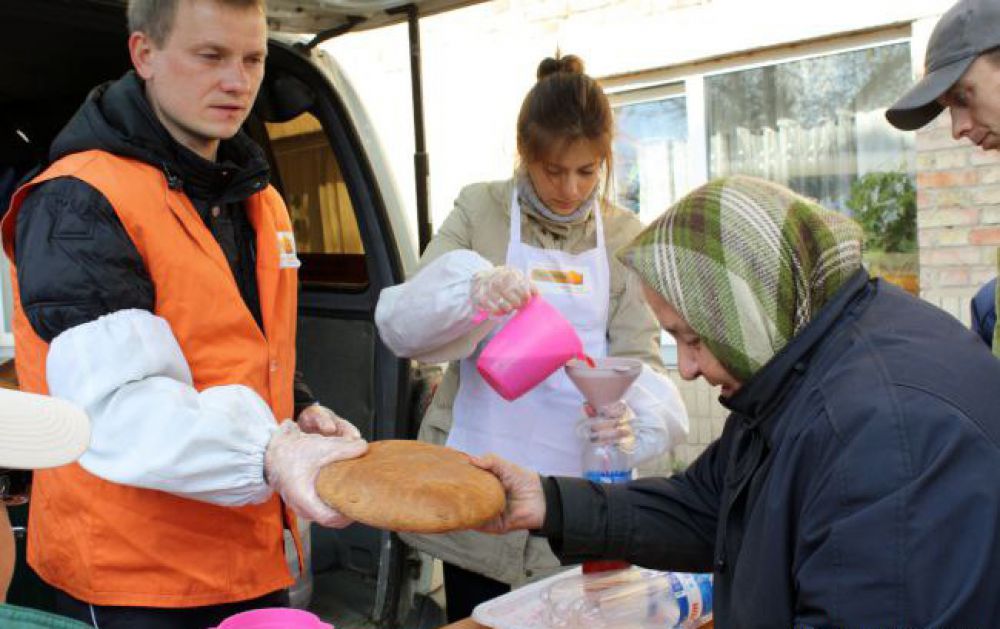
(111, 544)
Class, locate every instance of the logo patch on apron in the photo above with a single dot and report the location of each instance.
(286, 251)
(565, 280)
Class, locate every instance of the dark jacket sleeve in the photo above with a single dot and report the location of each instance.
(984, 313)
(75, 261)
(663, 523)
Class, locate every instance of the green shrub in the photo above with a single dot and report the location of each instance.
(885, 204)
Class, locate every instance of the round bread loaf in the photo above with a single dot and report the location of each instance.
(412, 486)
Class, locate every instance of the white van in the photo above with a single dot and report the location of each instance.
(347, 215)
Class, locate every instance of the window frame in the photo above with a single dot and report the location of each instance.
(661, 82)
(688, 81)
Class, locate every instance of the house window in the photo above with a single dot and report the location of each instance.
(818, 126)
(651, 158)
(651, 149)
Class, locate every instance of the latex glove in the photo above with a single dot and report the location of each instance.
(318, 419)
(500, 290)
(610, 425)
(525, 499)
(293, 460)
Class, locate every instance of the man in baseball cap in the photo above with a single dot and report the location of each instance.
(36, 431)
(962, 75)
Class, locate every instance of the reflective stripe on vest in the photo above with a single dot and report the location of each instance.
(111, 544)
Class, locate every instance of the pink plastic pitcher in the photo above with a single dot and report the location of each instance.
(533, 343)
(274, 618)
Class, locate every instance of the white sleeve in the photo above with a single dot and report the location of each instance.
(151, 427)
(661, 420)
(430, 317)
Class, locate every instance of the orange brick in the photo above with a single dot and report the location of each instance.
(985, 236)
(948, 178)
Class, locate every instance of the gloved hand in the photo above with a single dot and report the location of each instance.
(611, 424)
(500, 290)
(293, 460)
(320, 420)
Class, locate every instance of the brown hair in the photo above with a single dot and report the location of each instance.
(155, 18)
(565, 105)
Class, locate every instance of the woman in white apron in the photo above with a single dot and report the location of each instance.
(548, 230)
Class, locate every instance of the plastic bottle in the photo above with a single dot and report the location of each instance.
(633, 598)
(605, 463)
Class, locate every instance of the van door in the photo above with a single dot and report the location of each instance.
(349, 254)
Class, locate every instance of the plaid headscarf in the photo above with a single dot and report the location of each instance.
(747, 263)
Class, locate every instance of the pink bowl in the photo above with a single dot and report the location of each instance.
(274, 618)
(534, 343)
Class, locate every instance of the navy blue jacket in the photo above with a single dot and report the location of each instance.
(856, 482)
(984, 311)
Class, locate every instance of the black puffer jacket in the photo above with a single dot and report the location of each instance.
(856, 482)
(75, 261)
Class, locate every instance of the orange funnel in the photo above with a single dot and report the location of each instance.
(606, 382)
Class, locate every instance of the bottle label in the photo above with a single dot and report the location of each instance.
(693, 593)
(613, 476)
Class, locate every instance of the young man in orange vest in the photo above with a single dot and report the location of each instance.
(962, 75)
(152, 289)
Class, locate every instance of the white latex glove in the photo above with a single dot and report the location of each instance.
(610, 425)
(318, 419)
(500, 290)
(293, 460)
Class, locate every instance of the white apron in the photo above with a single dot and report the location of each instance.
(538, 430)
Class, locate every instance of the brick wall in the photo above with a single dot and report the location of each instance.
(706, 419)
(958, 217)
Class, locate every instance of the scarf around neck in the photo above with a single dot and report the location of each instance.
(747, 263)
(526, 193)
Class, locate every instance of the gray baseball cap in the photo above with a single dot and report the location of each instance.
(967, 30)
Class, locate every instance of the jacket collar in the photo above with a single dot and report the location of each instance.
(118, 119)
(759, 396)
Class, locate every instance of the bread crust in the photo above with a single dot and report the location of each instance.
(412, 486)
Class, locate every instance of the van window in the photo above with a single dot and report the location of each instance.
(323, 217)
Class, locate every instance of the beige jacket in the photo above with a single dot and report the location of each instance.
(481, 222)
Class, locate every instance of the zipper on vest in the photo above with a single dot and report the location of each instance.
(173, 181)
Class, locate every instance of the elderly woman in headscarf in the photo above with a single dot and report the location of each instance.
(856, 479)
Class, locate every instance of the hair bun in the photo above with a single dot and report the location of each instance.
(568, 63)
